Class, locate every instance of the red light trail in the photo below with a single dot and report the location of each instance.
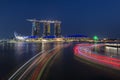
(84, 51)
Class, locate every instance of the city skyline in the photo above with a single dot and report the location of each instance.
(78, 16)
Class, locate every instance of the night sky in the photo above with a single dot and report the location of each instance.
(88, 17)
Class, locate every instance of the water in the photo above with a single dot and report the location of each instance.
(112, 51)
(68, 67)
(108, 51)
(14, 55)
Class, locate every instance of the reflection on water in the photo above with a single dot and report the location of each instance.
(112, 51)
(24, 51)
(108, 51)
(14, 55)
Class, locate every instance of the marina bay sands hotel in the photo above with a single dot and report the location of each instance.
(46, 27)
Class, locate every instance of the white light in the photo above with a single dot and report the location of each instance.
(20, 38)
(44, 40)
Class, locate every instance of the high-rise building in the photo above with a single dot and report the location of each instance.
(57, 30)
(36, 29)
(46, 29)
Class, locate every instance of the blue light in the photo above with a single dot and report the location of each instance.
(75, 36)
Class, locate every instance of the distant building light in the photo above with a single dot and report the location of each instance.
(95, 38)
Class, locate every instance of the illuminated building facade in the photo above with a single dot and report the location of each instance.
(57, 30)
(46, 27)
(36, 29)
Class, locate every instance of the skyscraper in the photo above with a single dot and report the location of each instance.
(46, 29)
(36, 29)
(57, 30)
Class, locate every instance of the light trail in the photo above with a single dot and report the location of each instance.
(12, 77)
(84, 51)
(35, 63)
(27, 64)
(35, 67)
(42, 65)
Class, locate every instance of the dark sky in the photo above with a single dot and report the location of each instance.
(89, 17)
